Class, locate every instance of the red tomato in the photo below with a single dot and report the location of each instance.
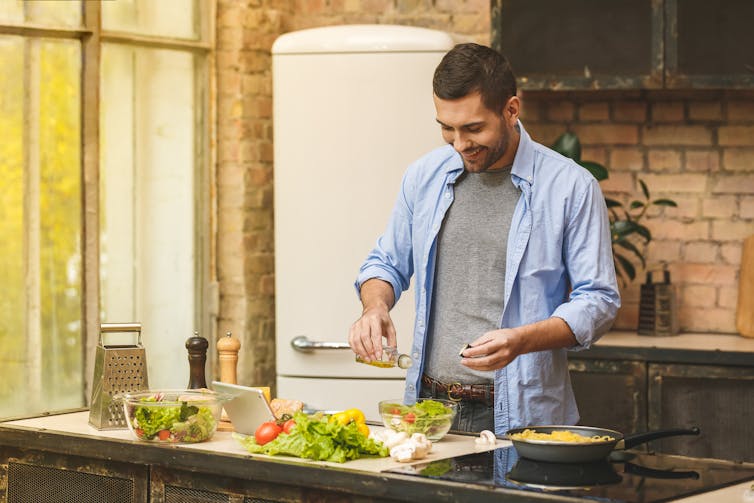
(163, 434)
(410, 417)
(139, 432)
(267, 432)
(289, 425)
(395, 411)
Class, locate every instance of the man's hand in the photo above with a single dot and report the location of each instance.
(493, 350)
(497, 348)
(365, 336)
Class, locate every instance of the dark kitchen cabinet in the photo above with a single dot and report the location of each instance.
(177, 486)
(45, 477)
(626, 44)
(635, 395)
(719, 400)
(611, 393)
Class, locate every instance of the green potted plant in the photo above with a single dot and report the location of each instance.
(626, 229)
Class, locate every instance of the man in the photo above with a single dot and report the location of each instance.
(510, 245)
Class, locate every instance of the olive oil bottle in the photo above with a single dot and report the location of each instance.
(390, 359)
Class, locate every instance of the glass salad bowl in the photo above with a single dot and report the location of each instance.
(173, 416)
(430, 416)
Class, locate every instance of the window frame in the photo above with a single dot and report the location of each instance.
(92, 37)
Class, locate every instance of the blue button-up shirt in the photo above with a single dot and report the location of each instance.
(559, 263)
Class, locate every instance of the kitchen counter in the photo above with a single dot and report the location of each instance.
(713, 349)
(65, 445)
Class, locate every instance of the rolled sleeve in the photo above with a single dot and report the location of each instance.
(594, 299)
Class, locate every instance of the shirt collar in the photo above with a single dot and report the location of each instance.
(522, 164)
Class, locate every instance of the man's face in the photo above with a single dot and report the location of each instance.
(482, 136)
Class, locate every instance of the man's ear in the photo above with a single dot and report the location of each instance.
(511, 110)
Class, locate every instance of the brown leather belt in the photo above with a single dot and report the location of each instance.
(456, 391)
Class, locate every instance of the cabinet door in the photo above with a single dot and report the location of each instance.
(709, 44)
(610, 393)
(40, 477)
(581, 44)
(719, 400)
(176, 486)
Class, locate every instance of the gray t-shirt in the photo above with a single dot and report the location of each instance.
(468, 294)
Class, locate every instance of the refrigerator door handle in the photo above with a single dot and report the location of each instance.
(305, 345)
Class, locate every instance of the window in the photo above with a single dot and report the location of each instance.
(103, 193)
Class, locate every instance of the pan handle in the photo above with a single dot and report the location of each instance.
(643, 471)
(641, 438)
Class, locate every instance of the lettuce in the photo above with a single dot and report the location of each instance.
(315, 437)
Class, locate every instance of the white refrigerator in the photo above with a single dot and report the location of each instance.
(352, 109)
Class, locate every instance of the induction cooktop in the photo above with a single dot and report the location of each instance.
(630, 477)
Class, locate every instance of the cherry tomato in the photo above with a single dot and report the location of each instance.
(163, 434)
(289, 425)
(410, 417)
(395, 411)
(139, 432)
(267, 432)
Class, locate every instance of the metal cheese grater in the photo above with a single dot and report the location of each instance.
(117, 369)
(657, 308)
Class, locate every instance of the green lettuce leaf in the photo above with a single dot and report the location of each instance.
(319, 439)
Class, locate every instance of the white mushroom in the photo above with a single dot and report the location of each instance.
(403, 452)
(486, 437)
(416, 447)
(389, 437)
(422, 445)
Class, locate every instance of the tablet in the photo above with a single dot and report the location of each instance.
(248, 409)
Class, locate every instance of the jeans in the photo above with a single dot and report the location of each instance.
(471, 416)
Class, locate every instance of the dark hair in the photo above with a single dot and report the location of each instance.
(468, 68)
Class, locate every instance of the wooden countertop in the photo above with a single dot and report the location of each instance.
(686, 341)
(223, 443)
(686, 348)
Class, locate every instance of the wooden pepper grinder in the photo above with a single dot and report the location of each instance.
(227, 349)
(197, 357)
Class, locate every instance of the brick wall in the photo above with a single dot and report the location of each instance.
(697, 148)
(694, 147)
(245, 245)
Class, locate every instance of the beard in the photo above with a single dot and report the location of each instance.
(480, 158)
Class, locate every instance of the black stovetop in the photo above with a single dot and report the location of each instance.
(630, 477)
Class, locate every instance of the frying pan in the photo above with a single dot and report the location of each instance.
(570, 452)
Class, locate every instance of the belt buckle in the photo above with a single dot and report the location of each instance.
(456, 386)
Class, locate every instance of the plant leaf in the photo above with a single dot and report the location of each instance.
(612, 203)
(636, 204)
(622, 228)
(665, 202)
(644, 188)
(597, 170)
(627, 266)
(628, 245)
(643, 232)
(568, 144)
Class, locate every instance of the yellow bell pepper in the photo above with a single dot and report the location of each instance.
(340, 418)
(349, 416)
(363, 429)
(355, 415)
